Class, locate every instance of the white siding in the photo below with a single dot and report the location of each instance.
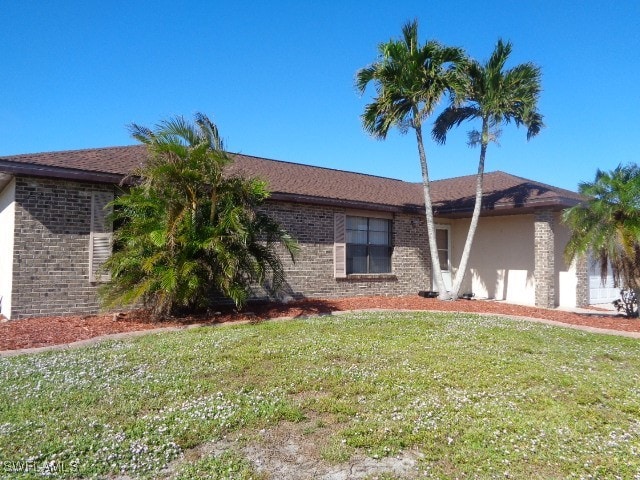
(7, 223)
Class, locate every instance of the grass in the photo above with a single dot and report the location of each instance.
(476, 396)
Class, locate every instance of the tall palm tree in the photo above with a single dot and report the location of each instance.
(496, 97)
(188, 232)
(607, 225)
(410, 80)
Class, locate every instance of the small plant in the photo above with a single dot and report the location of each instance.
(627, 303)
(226, 466)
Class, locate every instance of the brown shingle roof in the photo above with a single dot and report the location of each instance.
(305, 182)
(114, 160)
(310, 184)
(501, 191)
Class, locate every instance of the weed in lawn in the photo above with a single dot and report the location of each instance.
(475, 396)
(336, 451)
(228, 466)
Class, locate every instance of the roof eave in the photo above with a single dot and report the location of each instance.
(32, 170)
(5, 179)
(556, 204)
(336, 202)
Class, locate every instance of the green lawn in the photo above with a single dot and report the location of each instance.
(473, 396)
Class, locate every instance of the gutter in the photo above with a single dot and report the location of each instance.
(336, 202)
(14, 168)
(27, 169)
(561, 202)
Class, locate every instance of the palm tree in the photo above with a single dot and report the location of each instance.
(607, 225)
(496, 97)
(189, 233)
(410, 80)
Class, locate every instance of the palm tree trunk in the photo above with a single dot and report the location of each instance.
(431, 229)
(466, 252)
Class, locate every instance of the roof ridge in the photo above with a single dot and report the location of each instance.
(551, 187)
(529, 180)
(464, 176)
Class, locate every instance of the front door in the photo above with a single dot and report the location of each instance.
(443, 242)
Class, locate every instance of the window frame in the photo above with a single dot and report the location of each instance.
(447, 248)
(369, 246)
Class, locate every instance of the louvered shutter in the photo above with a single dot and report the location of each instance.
(339, 246)
(101, 235)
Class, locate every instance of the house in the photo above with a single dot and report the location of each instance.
(359, 234)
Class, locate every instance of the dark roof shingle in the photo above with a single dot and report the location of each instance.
(501, 191)
(311, 184)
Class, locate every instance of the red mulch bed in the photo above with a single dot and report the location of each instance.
(45, 331)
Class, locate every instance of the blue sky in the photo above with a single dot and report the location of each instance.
(277, 78)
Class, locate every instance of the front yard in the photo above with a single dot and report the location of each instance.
(369, 395)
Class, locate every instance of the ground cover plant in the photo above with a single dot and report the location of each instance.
(442, 395)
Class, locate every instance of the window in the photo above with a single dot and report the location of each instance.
(368, 245)
(442, 241)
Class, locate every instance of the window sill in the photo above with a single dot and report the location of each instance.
(369, 277)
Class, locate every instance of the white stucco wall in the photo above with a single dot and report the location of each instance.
(502, 261)
(7, 219)
(502, 258)
(566, 279)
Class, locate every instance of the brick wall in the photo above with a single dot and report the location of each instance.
(544, 272)
(582, 284)
(51, 251)
(312, 275)
(51, 248)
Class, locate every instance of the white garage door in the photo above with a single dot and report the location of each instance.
(600, 292)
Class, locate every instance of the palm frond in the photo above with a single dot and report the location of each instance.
(209, 130)
(452, 116)
(499, 96)
(410, 80)
(410, 35)
(142, 134)
(188, 232)
(608, 224)
(497, 60)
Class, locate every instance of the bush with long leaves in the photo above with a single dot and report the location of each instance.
(188, 232)
(607, 225)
